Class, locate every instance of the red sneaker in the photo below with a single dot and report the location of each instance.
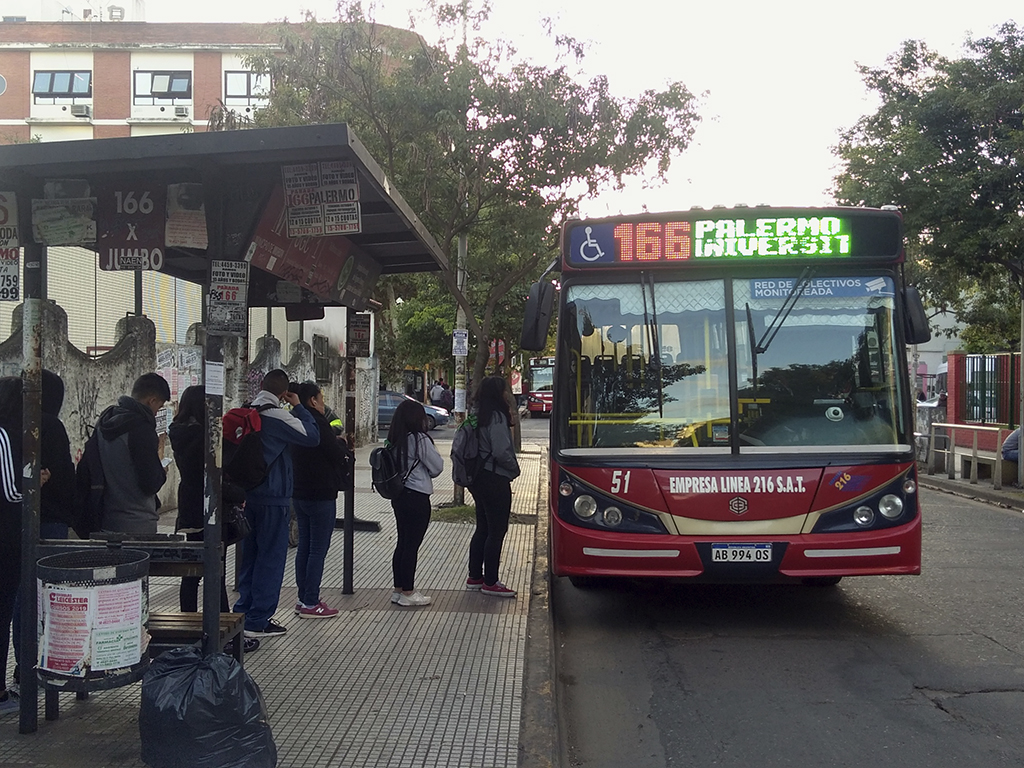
(474, 584)
(497, 589)
(318, 611)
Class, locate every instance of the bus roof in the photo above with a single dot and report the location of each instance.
(699, 237)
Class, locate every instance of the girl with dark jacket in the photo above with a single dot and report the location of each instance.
(492, 488)
(186, 433)
(319, 474)
(418, 458)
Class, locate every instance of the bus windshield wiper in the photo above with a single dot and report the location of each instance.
(651, 322)
(787, 306)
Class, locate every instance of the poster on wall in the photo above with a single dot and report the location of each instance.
(332, 268)
(130, 226)
(10, 274)
(321, 199)
(186, 217)
(9, 220)
(66, 213)
(228, 313)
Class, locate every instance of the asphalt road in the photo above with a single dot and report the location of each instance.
(878, 671)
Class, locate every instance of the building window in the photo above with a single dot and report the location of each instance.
(54, 86)
(321, 361)
(246, 89)
(162, 87)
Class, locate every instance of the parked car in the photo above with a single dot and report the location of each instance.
(388, 401)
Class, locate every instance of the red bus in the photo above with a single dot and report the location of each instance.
(542, 383)
(732, 399)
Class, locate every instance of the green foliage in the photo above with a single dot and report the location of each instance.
(478, 142)
(945, 145)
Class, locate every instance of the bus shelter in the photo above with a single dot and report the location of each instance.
(299, 217)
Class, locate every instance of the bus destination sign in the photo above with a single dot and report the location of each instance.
(700, 238)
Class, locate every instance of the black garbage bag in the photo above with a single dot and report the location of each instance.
(203, 712)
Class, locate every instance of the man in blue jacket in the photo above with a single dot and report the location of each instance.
(268, 505)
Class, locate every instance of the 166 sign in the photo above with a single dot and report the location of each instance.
(130, 226)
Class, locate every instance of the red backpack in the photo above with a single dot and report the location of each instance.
(244, 462)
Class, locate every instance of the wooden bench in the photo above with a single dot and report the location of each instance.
(173, 630)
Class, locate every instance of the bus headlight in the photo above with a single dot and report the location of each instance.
(864, 516)
(612, 516)
(565, 488)
(585, 506)
(909, 486)
(891, 506)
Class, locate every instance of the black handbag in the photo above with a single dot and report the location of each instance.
(235, 526)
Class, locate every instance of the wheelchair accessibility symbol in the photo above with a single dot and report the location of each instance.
(590, 249)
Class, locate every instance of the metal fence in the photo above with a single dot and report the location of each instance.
(988, 389)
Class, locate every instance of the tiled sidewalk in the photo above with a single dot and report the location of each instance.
(379, 685)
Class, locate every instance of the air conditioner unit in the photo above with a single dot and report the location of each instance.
(81, 110)
(181, 111)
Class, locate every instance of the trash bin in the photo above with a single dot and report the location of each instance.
(93, 610)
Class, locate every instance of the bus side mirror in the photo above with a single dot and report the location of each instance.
(915, 320)
(537, 316)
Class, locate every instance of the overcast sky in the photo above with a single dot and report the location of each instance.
(781, 77)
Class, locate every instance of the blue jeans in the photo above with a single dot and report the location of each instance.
(48, 529)
(316, 524)
(263, 558)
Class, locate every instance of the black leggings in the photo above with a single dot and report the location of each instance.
(412, 514)
(493, 496)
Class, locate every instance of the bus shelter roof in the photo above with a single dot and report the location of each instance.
(247, 168)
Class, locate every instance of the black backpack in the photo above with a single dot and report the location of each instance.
(90, 485)
(245, 465)
(387, 476)
(466, 459)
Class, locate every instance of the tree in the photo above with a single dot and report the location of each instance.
(478, 142)
(946, 145)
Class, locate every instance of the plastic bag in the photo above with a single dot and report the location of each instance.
(203, 712)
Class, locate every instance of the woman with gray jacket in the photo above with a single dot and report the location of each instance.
(419, 458)
(492, 489)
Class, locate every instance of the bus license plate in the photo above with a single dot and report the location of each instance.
(741, 553)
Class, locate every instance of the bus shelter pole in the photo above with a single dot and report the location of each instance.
(32, 379)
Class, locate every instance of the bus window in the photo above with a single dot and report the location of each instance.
(653, 367)
(821, 372)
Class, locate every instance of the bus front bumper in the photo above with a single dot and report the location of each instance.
(585, 552)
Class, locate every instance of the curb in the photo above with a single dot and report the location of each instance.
(538, 730)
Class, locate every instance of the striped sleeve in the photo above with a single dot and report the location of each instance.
(8, 474)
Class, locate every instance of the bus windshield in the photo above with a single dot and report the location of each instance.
(815, 364)
(542, 378)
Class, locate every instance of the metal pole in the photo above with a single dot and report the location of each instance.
(32, 379)
(349, 523)
(461, 395)
(1020, 393)
(213, 377)
(138, 293)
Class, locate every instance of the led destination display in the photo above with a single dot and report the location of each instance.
(701, 239)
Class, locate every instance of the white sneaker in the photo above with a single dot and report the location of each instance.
(411, 600)
(395, 595)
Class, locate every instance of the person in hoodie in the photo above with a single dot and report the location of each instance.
(57, 495)
(492, 488)
(420, 462)
(132, 457)
(186, 433)
(319, 475)
(268, 505)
